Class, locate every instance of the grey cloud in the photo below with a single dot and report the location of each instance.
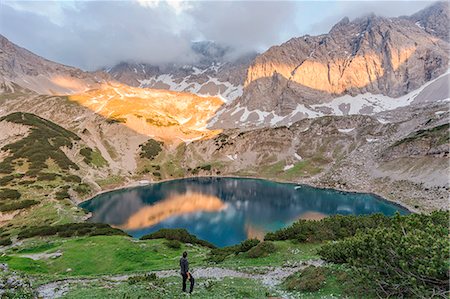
(245, 25)
(355, 9)
(100, 33)
(95, 34)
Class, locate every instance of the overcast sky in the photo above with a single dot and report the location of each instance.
(93, 34)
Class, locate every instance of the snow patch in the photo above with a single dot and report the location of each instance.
(383, 121)
(287, 167)
(189, 84)
(419, 25)
(298, 157)
(232, 157)
(362, 104)
(346, 130)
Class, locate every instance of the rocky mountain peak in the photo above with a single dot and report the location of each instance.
(371, 55)
(434, 19)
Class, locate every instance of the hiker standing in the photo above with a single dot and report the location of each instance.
(184, 269)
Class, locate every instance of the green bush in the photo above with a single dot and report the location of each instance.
(310, 279)
(406, 259)
(174, 244)
(86, 152)
(262, 249)
(246, 245)
(42, 143)
(5, 241)
(150, 149)
(23, 204)
(63, 193)
(6, 179)
(82, 189)
(72, 179)
(437, 136)
(330, 228)
(206, 167)
(26, 182)
(142, 278)
(218, 255)
(70, 230)
(12, 194)
(179, 234)
(45, 176)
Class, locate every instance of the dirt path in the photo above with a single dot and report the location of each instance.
(269, 276)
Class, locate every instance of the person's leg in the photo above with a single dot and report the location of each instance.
(184, 282)
(192, 284)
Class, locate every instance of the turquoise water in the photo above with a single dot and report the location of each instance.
(226, 211)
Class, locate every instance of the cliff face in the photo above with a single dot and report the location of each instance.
(30, 71)
(376, 55)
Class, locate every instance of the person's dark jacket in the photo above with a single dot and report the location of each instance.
(184, 265)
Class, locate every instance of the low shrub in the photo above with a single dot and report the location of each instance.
(261, 250)
(5, 241)
(86, 152)
(18, 205)
(179, 234)
(407, 259)
(330, 228)
(82, 189)
(26, 182)
(151, 149)
(42, 143)
(9, 194)
(6, 179)
(63, 193)
(142, 278)
(246, 245)
(174, 244)
(206, 167)
(310, 279)
(72, 179)
(218, 255)
(45, 176)
(70, 230)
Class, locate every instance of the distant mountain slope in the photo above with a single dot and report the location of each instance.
(434, 20)
(368, 56)
(172, 117)
(28, 70)
(214, 73)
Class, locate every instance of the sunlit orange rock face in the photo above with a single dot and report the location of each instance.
(175, 205)
(69, 83)
(366, 55)
(172, 117)
(333, 77)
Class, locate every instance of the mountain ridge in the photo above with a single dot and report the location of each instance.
(376, 55)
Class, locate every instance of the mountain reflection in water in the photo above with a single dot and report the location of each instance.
(226, 211)
(175, 205)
